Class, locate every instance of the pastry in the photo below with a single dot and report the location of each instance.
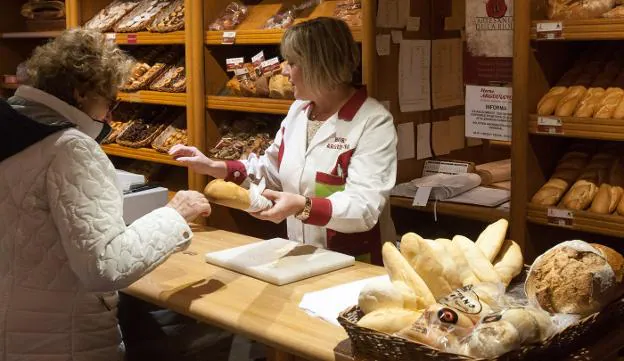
(141, 16)
(104, 20)
(169, 19)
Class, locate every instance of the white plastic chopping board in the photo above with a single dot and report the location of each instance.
(280, 261)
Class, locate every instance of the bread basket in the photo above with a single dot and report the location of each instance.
(375, 345)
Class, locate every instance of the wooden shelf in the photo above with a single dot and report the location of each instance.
(588, 128)
(31, 34)
(477, 213)
(145, 154)
(608, 225)
(153, 97)
(9, 86)
(250, 31)
(147, 38)
(590, 29)
(248, 104)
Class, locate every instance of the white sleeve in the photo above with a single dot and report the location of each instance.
(87, 209)
(371, 176)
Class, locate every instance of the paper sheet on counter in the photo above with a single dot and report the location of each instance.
(414, 75)
(328, 303)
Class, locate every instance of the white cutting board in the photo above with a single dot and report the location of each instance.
(280, 261)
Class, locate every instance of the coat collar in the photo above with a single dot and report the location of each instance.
(351, 107)
(83, 122)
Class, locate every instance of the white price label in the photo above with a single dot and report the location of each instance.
(549, 30)
(228, 37)
(421, 198)
(560, 217)
(549, 125)
(432, 167)
(112, 37)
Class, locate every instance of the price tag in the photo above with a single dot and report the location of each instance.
(132, 39)
(549, 125)
(560, 217)
(421, 197)
(549, 30)
(432, 167)
(112, 37)
(228, 37)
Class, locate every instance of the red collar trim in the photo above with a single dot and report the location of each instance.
(351, 107)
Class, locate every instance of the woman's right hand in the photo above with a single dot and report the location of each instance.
(192, 158)
(190, 205)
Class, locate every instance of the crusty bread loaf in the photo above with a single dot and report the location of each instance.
(614, 258)
(616, 12)
(509, 263)
(228, 194)
(424, 261)
(606, 108)
(584, 9)
(480, 265)
(548, 103)
(607, 199)
(618, 113)
(551, 192)
(581, 195)
(570, 100)
(491, 239)
(389, 320)
(399, 269)
(588, 105)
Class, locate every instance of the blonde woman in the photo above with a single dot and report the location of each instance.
(333, 162)
(64, 246)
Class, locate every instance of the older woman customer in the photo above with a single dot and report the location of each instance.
(65, 248)
(333, 162)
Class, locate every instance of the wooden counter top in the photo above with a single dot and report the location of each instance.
(269, 314)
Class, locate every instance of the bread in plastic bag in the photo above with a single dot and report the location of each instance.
(234, 14)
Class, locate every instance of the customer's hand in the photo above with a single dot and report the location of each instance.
(190, 205)
(284, 206)
(192, 158)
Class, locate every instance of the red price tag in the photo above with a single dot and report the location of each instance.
(549, 125)
(132, 39)
(228, 37)
(561, 217)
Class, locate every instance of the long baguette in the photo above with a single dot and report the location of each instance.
(400, 270)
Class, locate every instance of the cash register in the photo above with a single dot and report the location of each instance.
(139, 197)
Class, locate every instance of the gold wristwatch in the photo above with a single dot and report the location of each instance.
(305, 212)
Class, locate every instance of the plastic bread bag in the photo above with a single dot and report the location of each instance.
(234, 14)
(476, 301)
(258, 202)
(436, 329)
(280, 20)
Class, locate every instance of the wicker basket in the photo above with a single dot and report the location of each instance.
(380, 346)
(145, 142)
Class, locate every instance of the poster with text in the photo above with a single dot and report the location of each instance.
(488, 112)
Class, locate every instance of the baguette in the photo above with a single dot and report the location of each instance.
(228, 194)
(449, 267)
(548, 103)
(509, 262)
(606, 108)
(551, 192)
(491, 239)
(607, 199)
(424, 261)
(588, 105)
(466, 276)
(569, 101)
(400, 270)
(580, 195)
(479, 264)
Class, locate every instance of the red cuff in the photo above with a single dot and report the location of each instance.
(320, 213)
(236, 171)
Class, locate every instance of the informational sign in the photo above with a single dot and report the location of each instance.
(488, 112)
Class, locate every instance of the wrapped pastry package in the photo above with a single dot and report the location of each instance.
(230, 18)
(141, 16)
(111, 14)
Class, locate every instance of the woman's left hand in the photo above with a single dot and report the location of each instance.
(284, 206)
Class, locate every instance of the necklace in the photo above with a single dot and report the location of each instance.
(313, 115)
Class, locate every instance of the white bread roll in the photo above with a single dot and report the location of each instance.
(466, 276)
(410, 300)
(228, 194)
(480, 265)
(379, 294)
(400, 270)
(425, 334)
(525, 324)
(446, 260)
(509, 262)
(424, 261)
(490, 340)
(491, 239)
(389, 320)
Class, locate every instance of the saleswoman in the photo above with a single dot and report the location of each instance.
(333, 162)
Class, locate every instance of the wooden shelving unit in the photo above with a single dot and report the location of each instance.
(249, 105)
(153, 97)
(477, 213)
(146, 154)
(543, 50)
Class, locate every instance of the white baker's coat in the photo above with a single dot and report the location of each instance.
(365, 128)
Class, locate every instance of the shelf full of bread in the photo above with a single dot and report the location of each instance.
(458, 299)
(588, 100)
(243, 136)
(585, 191)
(146, 132)
(265, 22)
(579, 20)
(141, 22)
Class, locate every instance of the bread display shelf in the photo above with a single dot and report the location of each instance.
(608, 225)
(248, 104)
(147, 38)
(153, 97)
(260, 37)
(31, 35)
(590, 29)
(587, 128)
(466, 211)
(144, 154)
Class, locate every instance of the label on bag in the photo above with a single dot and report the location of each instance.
(421, 198)
(464, 299)
(270, 65)
(549, 125)
(233, 63)
(549, 30)
(132, 39)
(228, 37)
(560, 217)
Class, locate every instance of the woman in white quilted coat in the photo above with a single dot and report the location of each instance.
(64, 247)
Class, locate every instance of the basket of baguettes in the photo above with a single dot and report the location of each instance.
(463, 300)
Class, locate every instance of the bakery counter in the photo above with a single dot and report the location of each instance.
(477, 213)
(244, 305)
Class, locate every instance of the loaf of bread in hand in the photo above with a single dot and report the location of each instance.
(228, 194)
(570, 100)
(549, 101)
(588, 105)
(608, 104)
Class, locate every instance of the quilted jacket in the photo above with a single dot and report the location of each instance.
(64, 247)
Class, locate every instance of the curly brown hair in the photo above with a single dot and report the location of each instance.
(78, 60)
